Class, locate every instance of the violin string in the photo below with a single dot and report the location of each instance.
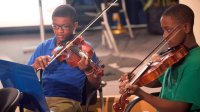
(164, 44)
(174, 32)
(171, 35)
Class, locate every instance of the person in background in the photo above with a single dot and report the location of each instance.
(63, 84)
(180, 90)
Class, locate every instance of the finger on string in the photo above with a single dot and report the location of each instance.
(48, 58)
(122, 78)
(121, 91)
(40, 62)
(127, 86)
(36, 66)
(45, 61)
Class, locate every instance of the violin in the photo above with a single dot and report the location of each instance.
(62, 51)
(157, 68)
(75, 52)
(70, 55)
(153, 69)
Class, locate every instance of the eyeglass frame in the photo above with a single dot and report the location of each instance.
(63, 27)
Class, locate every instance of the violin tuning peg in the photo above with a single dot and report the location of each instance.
(102, 66)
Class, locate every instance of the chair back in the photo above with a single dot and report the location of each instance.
(89, 96)
(9, 99)
(87, 90)
(132, 106)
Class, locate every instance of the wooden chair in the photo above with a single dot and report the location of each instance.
(137, 100)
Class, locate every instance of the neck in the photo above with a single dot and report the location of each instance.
(190, 42)
(69, 38)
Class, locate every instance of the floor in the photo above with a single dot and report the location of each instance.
(18, 47)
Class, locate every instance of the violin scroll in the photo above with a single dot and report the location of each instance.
(121, 104)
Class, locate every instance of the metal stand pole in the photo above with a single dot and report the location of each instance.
(42, 30)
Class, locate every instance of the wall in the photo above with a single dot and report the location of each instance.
(17, 13)
(194, 4)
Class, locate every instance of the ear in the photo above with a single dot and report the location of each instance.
(75, 27)
(187, 27)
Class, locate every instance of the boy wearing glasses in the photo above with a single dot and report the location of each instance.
(62, 84)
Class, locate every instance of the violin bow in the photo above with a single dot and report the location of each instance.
(171, 35)
(69, 43)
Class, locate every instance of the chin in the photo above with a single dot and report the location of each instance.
(171, 45)
(58, 40)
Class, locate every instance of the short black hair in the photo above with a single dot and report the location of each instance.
(65, 11)
(181, 13)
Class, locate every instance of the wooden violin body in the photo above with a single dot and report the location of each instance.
(74, 53)
(153, 71)
(158, 67)
(72, 58)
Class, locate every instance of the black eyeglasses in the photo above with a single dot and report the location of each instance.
(63, 27)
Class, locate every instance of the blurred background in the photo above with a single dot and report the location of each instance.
(122, 37)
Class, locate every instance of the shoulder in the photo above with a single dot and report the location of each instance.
(47, 43)
(193, 56)
(45, 47)
(191, 63)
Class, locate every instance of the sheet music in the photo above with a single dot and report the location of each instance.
(1, 86)
(23, 78)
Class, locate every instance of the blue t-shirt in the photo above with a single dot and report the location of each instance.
(60, 79)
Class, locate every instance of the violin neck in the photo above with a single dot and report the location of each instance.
(141, 72)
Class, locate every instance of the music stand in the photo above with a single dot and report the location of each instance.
(24, 78)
